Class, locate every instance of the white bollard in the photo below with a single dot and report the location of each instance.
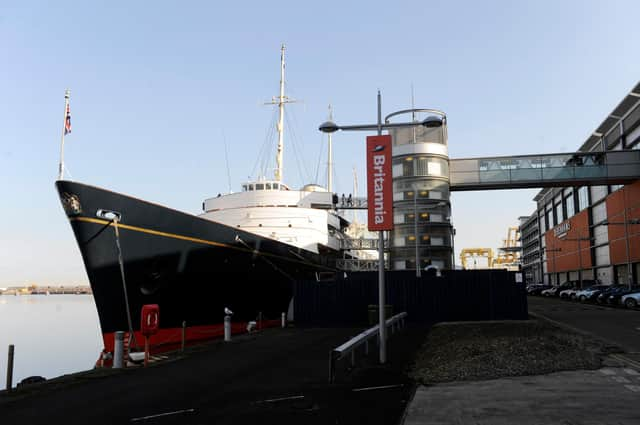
(118, 350)
(227, 328)
(283, 320)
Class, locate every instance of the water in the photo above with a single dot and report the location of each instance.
(53, 335)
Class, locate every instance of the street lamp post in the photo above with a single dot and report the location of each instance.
(331, 127)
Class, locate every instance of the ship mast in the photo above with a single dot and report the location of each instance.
(280, 101)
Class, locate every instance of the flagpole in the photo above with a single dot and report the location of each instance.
(67, 94)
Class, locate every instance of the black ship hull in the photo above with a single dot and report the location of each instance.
(191, 267)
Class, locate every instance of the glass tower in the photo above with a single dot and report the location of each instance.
(422, 210)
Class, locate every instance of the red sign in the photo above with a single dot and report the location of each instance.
(379, 183)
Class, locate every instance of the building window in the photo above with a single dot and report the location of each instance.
(421, 166)
(583, 198)
(550, 223)
(570, 206)
(407, 167)
(559, 213)
(436, 218)
(437, 241)
(435, 168)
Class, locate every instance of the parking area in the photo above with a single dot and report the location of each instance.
(591, 292)
(619, 327)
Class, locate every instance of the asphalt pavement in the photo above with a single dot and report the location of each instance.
(278, 376)
(617, 326)
(605, 396)
(586, 397)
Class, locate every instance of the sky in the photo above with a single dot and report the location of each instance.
(160, 90)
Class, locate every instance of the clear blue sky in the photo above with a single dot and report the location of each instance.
(156, 84)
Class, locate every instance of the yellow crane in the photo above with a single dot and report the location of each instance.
(467, 254)
(508, 254)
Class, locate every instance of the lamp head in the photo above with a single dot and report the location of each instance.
(432, 121)
(328, 127)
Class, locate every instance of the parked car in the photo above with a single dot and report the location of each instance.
(576, 287)
(554, 291)
(631, 300)
(569, 294)
(615, 296)
(591, 293)
(604, 294)
(536, 289)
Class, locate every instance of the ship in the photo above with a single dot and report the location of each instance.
(243, 253)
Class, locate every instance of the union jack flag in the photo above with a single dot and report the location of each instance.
(67, 121)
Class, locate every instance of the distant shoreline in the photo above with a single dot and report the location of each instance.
(49, 290)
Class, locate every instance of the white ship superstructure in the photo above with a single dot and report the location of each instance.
(304, 218)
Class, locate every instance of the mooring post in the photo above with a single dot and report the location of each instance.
(227, 328)
(118, 350)
(10, 367)
(283, 320)
(184, 332)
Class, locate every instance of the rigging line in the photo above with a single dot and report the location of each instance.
(268, 146)
(226, 158)
(300, 140)
(295, 151)
(297, 158)
(263, 146)
(268, 153)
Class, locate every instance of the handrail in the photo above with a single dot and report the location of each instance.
(349, 347)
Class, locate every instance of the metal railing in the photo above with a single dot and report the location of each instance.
(361, 244)
(349, 348)
(358, 265)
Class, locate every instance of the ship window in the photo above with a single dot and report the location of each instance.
(250, 187)
(260, 186)
(244, 187)
(268, 186)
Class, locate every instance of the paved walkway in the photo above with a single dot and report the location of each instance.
(275, 377)
(605, 396)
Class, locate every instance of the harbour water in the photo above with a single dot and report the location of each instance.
(53, 334)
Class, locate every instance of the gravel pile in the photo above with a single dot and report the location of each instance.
(487, 350)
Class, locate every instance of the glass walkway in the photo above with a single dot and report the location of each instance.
(549, 170)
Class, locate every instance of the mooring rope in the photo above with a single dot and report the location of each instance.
(132, 336)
